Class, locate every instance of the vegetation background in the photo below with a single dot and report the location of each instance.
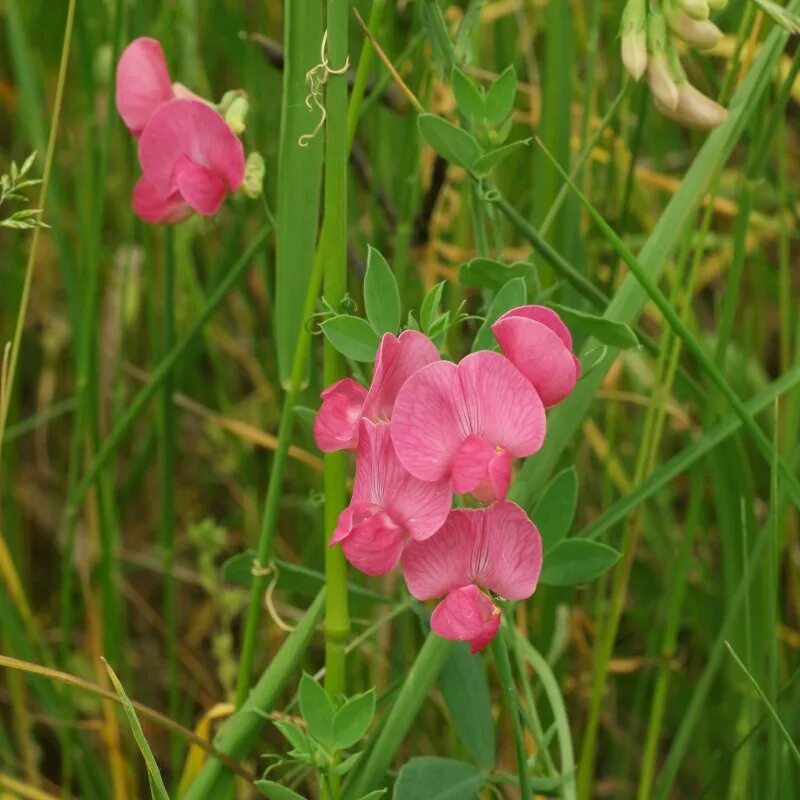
(126, 563)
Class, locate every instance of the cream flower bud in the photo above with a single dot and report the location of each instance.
(663, 87)
(254, 170)
(703, 35)
(694, 109)
(696, 9)
(634, 38)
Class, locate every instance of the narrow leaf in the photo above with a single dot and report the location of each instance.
(353, 337)
(381, 296)
(434, 778)
(556, 510)
(317, 710)
(501, 95)
(487, 162)
(429, 309)
(453, 144)
(486, 273)
(469, 97)
(512, 295)
(576, 561)
(277, 792)
(157, 789)
(606, 331)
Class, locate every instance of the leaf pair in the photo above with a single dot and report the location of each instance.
(567, 561)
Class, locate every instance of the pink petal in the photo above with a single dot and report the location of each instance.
(143, 84)
(467, 614)
(494, 401)
(396, 361)
(512, 553)
(336, 423)
(202, 189)
(471, 464)
(440, 564)
(370, 539)
(540, 354)
(419, 507)
(190, 129)
(547, 317)
(153, 207)
(424, 427)
(495, 486)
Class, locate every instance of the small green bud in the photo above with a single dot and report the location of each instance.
(254, 170)
(236, 115)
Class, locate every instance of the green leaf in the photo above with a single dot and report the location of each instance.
(469, 96)
(577, 561)
(317, 710)
(465, 688)
(353, 337)
(430, 306)
(293, 734)
(381, 296)
(305, 415)
(487, 162)
(238, 569)
(376, 795)
(486, 273)
(606, 331)
(555, 512)
(277, 792)
(500, 97)
(157, 789)
(434, 778)
(353, 719)
(453, 144)
(512, 295)
(345, 766)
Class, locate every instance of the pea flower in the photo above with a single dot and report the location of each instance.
(190, 160)
(496, 548)
(189, 155)
(345, 402)
(387, 506)
(465, 423)
(539, 345)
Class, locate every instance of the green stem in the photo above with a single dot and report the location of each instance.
(334, 245)
(371, 772)
(511, 698)
(166, 536)
(164, 368)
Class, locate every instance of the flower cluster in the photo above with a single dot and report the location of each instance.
(649, 38)
(427, 429)
(189, 154)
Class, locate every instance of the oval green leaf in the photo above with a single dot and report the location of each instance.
(576, 561)
(381, 296)
(434, 778)
(512, 295)
(353, 337)
(451, 143)
(555, 512)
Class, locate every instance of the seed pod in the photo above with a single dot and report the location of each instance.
(694, 109)
(696, 9)
(703, 35)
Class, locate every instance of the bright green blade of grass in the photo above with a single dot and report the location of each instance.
(299, 178)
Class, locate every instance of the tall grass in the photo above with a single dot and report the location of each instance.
(163, 504)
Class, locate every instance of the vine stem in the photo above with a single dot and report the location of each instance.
(511, 698)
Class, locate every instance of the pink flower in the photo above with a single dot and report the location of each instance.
(497, 548)
(344, 403)
(143, 83)
(539, 345)
(465, 423)
(190, 160)
(387, 505)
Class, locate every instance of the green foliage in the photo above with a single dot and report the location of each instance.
(465, 687)
(12, 185)
(352, 336)
(576, 561)
(381, 297)
(555, 511)
(434, 778)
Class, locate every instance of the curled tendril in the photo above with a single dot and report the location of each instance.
(271, 571)
(316, 78)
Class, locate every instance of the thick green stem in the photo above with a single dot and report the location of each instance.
(511, 698)
(334, 245)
